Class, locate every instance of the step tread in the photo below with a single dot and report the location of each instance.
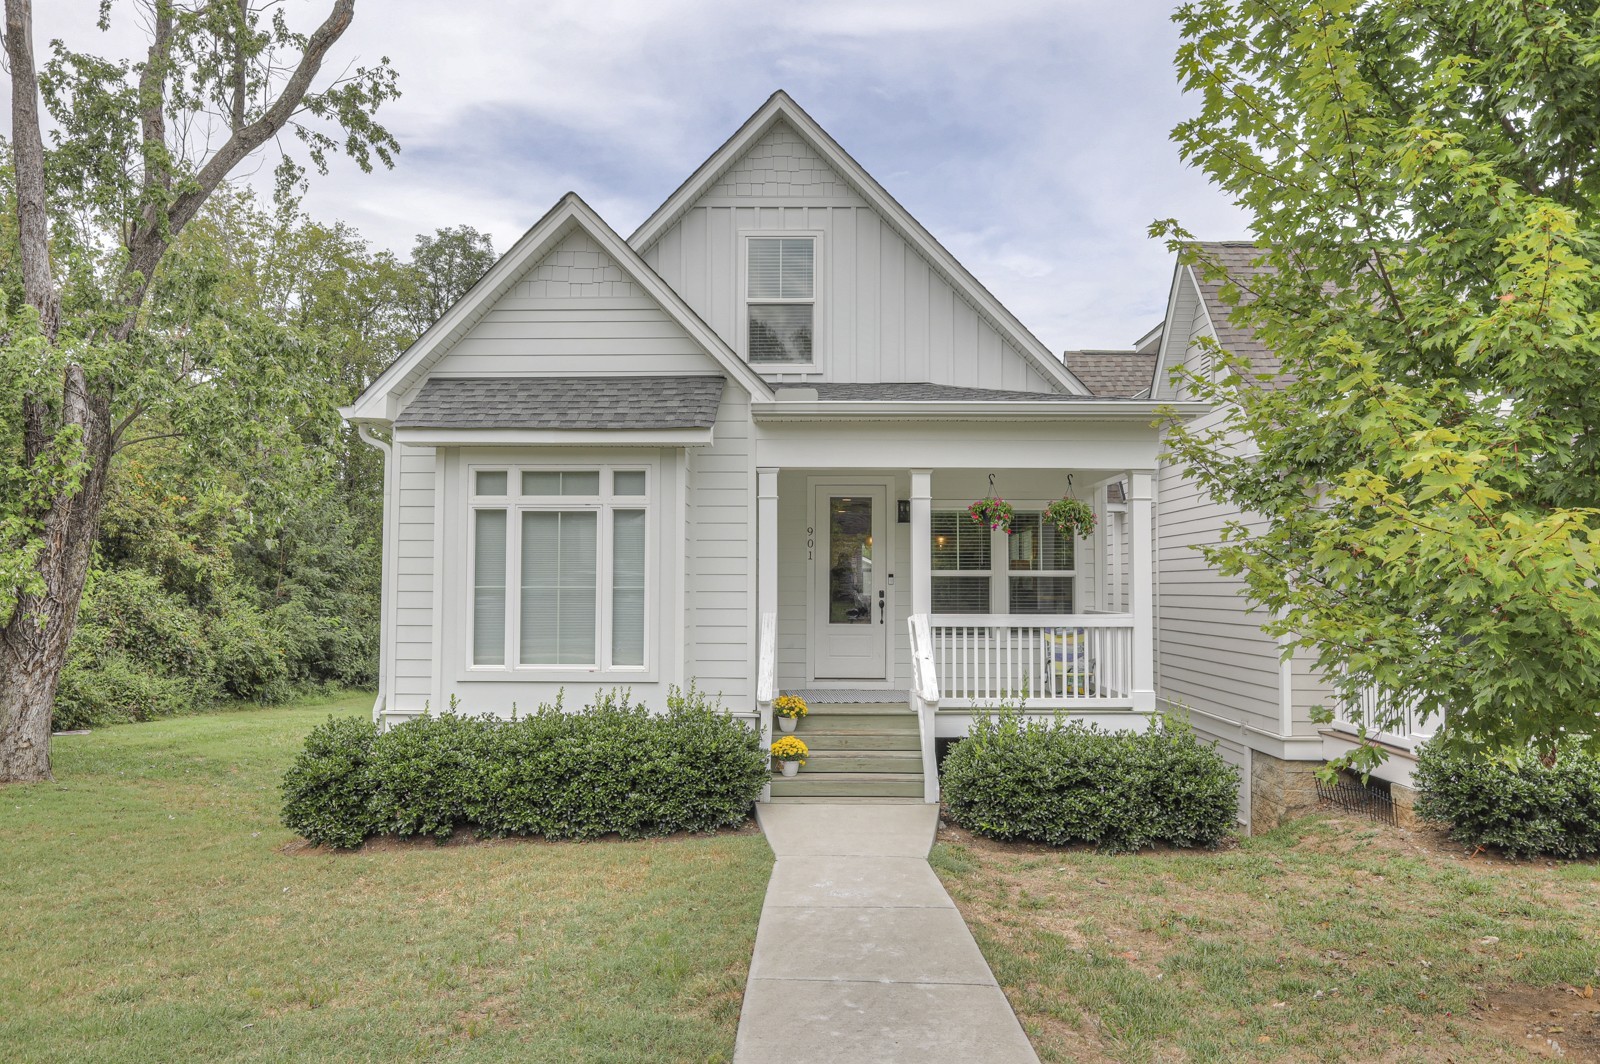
(852, 777)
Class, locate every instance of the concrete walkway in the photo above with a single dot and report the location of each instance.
(861, 956)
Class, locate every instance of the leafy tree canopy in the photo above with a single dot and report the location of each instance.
(1424, 178)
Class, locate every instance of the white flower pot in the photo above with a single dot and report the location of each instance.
(787, 724)
(791, 767)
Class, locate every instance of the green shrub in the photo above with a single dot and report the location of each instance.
(423, 772)
(327, 792)
(612, 767)
(1054, 782)
(617, 767)
(1513, 801)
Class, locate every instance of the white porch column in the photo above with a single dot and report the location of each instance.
(921, 541)
(1141, 562)
(766, 543)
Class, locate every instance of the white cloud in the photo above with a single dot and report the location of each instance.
(1028, 135)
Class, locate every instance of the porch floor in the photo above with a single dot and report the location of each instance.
(853, 696)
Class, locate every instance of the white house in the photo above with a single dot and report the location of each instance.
(737, 448)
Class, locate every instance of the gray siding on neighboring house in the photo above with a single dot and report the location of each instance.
(1211, 653)
(719, 558)
(413, 576)
(883, 313)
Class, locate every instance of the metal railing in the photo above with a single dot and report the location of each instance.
(1044, 661)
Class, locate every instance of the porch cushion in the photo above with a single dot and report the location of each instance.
(564, 403)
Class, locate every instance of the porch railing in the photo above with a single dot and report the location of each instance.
(1055, 660)
(1413, 727)
(925, 702)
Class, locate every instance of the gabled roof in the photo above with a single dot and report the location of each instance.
(601, 403)
(1218, 263)
(781, 108)
(376, 403)
(1124, 374)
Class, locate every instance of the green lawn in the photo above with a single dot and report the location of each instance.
(1328, 940)
(156, 910)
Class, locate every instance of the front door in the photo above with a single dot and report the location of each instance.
(850, 582)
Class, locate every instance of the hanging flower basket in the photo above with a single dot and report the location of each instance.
(1071, 516)
(993, 512)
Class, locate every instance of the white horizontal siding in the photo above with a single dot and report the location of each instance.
(413, 591)
(719, 558)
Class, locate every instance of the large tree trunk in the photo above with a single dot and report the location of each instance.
(33, 644)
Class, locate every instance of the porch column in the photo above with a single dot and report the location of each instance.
(921, 541)
(1141, 562)
(766, 542)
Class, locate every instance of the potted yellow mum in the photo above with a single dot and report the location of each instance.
(789, 708)
(790, 752)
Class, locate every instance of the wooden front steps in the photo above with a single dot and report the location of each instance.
(859, 751)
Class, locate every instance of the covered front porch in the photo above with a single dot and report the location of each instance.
(876, 587)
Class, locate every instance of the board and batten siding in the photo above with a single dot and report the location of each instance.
(883, 313)
(412, 683)
(719, 558)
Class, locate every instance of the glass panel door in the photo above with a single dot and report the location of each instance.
(850, 582)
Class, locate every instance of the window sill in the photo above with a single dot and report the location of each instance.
(556, 674)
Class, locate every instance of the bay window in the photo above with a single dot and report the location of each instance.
(559, 565)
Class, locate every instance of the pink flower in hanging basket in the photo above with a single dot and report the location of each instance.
(996, 513)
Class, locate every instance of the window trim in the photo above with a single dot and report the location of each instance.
(816, 302)
(1000, 571)
(604, 504)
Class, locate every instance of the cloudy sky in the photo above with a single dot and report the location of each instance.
(1029, 136)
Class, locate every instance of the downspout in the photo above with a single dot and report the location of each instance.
(385, 594)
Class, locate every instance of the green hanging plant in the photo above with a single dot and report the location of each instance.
(1073, 517)
(993, 511)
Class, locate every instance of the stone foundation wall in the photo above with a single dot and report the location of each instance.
(1280, 790)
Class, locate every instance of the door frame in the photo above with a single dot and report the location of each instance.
(848, 479)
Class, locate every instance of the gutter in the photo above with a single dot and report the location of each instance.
(386, 599)
(948, 410)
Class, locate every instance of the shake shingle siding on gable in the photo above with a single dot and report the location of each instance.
(565, 403)
(1236, 260)
(781, 164)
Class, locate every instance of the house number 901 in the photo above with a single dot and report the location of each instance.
(811, 543)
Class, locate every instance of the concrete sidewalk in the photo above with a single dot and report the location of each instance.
(861, 956)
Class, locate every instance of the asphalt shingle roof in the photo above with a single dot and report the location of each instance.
(1234, 259)
(564, 403)
(1113, 374)
(917, 392)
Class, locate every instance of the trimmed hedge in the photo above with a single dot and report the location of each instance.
(612, 767)
(1053, 782)
(1514, 802)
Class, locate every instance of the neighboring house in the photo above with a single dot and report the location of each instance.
(1213, 659)
(736, 449)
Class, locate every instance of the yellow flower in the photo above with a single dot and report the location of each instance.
(790, 748)
(790, 706)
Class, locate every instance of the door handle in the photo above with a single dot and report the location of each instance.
(882, 608)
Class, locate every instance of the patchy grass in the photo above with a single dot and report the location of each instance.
(156, 910)
(1327, 940)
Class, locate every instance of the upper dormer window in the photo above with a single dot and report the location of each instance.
(781, 297)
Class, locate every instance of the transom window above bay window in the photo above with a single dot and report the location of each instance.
(780, 299)
(976, 570)
(559, 565)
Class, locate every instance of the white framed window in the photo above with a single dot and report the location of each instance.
(560, 565)
(977, 570)
(780, 295)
